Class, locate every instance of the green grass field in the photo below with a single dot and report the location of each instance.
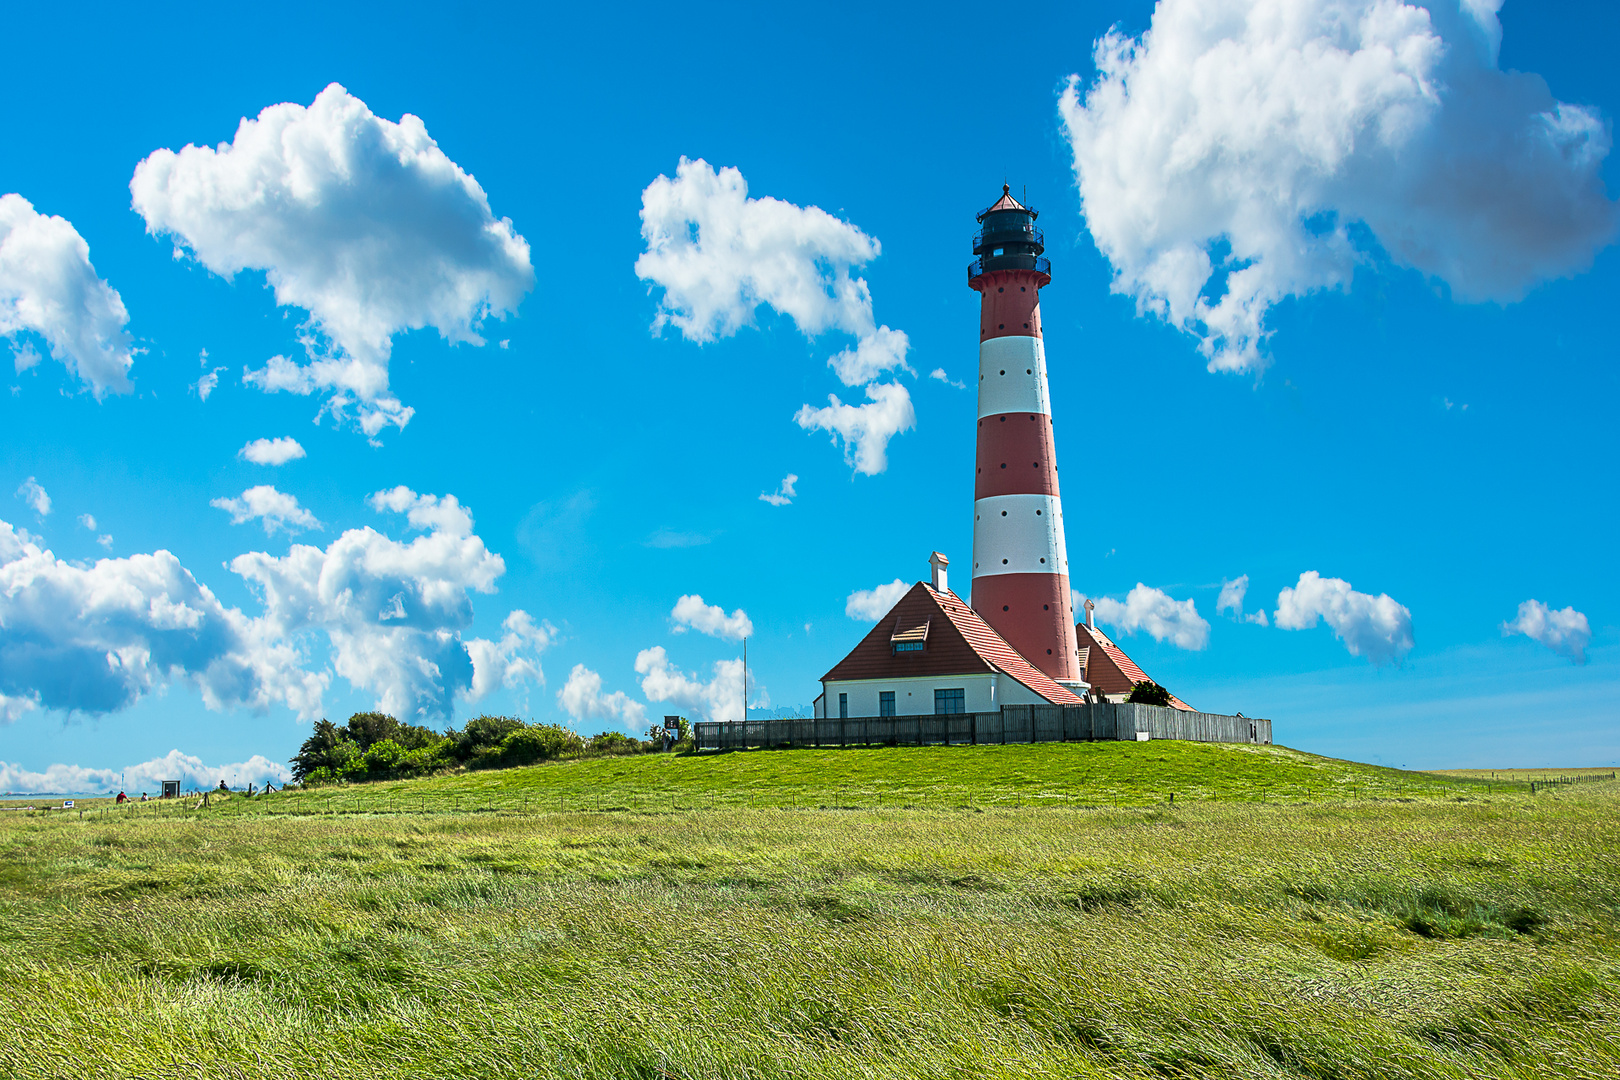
(1288, 916)
(1048, 774)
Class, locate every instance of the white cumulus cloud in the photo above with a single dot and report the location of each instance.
(867, 605)
(205, 385)
(95, 639)
(277, 451)
(49, 288)
(1372, 626)
(513, 660)
(784, 492)
(718, 255)
(1231, 599)
(939, 374)
(582, 698)
(364, 223)
(691, 612)
(35, 496)
(274, 510)
(1162, 616)
(718, 699)
(1242, 152)
(148, 776)
(1565, 632)
(393, 612)
(864, 429)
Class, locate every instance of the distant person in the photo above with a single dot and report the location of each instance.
(122, 798)
(222, 786)
(143, 796)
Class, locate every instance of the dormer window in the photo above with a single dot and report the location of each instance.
(908, 639)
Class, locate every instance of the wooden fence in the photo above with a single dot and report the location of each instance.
(1013, 724)
(1560, 781)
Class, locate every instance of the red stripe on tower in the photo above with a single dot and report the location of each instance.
(1020, 559)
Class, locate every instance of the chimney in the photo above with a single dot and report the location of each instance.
(1090, 625)
(939, 563)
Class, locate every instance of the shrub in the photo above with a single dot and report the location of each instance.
(340, 750)
(528, 745)
(384, 757)
(483, 734)
(614, 742)
(1149, 692)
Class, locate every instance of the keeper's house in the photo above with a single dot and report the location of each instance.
(933, 655)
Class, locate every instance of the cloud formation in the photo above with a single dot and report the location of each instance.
(1242, 152)
(513, 660)
(582, 698)
(49, 288)
(274, 510)
(1372, 626)
(868, 605)
(718, 255)
(271, 451)
(392, 612)
(718, 699)
(783, 495)
(1231, 599)
(364, 223)
(864, 429)
(35, 496)
(148, 776)
(94, 639)
(691, 612)
(1565, 632)
(1153, 610)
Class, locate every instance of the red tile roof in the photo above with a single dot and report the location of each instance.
(1109, 670)
(995, 650)
(959, 643)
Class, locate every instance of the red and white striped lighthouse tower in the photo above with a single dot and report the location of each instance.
(1020, 560)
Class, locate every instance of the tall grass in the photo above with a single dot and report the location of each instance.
(1430, 938)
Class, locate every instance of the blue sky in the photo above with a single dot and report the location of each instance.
(1432, 425)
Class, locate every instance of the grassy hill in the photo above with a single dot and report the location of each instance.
(1045, 774)
(1300, 918)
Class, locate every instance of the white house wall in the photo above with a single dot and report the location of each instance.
(915, 696)
(1009, 691)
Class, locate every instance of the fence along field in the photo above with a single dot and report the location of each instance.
(1106, 721)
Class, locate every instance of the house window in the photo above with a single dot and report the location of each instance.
(843, 706)
(886, 703)
(948, 702)
(908, 646)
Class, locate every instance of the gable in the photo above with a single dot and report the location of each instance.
(1108, 669)
(945, 651)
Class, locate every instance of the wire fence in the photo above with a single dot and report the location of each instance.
(1563, 781)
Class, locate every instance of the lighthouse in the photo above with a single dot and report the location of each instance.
(1020, 559)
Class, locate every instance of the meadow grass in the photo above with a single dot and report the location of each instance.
(1043, 774)
(1464, 932)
